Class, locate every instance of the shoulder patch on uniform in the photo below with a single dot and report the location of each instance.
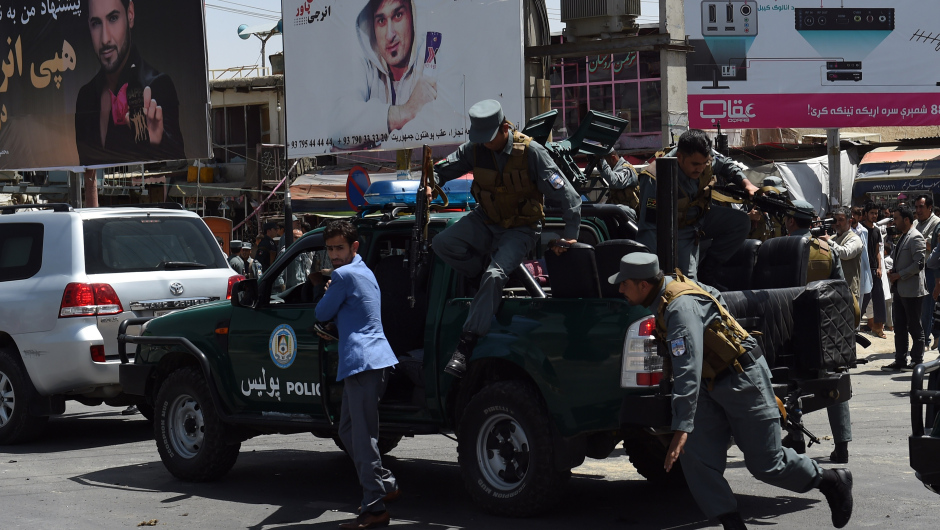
(651, 203)
(678, 347)
(557, 181)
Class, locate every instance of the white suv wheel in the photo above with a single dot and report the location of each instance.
(7, 399)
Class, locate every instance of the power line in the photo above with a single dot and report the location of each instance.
(248, 6)
(243, 12)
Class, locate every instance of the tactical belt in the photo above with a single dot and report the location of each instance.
(745, 359)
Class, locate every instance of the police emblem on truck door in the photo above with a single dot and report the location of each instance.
(283, 346)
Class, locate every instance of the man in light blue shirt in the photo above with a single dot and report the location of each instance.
(353, 299)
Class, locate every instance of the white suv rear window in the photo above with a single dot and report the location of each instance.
(20, 250)
(139, 244)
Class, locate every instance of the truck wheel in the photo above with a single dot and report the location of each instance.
(386, 443)
(16, 424)
(189, 433)
(506, 453)
(647, 455)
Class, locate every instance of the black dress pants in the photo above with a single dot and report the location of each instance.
(907, 312)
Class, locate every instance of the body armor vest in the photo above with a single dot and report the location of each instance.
(820, 260)
(627, 196)
(723, 337)
(702, 198)
(509, 198)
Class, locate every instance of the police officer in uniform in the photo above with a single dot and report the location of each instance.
(512, 177)
(700, 167)
(623, 182)
(763, 225)
(823, 265)
(721, 389)
(235, 261)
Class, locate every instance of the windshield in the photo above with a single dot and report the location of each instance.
(141, 244)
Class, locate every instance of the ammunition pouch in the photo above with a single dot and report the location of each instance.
(722, 338)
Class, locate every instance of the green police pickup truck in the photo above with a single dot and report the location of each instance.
(568, 370)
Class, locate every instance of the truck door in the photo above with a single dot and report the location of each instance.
(273, 348)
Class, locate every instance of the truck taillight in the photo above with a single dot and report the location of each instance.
(232, 280)
(97, 354)
(89, 299)
(641, 366)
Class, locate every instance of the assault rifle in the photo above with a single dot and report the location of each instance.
(773, 204)
(418, 251)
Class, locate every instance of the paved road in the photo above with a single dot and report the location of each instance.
(96, 469)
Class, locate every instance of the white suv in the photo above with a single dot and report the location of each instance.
(68, 278)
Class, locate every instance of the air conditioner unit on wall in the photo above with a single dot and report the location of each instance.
(598, 18)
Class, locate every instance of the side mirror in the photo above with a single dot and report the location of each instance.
(245, 293)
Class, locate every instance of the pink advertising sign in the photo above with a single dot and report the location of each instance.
(813, 64)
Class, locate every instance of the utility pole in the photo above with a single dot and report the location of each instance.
(673, 83)
(75, 190)
(835, 168)
(91, 188)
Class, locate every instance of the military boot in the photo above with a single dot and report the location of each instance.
(841, 454)
(457, 366)
(836, 485)
(732, 521)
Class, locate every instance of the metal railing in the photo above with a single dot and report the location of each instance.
(238, 72)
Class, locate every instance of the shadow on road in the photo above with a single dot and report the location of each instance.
(317, 489)
(104, 427)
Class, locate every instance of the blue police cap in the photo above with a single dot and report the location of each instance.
(485, 119)
(636, 266)
(802, 210)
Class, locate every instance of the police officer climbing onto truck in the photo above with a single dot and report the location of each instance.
(721, 389)
(700, 168)
(512, 175)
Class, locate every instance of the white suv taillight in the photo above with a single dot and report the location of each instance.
(641, 366)
(232, 280)
(89, 299)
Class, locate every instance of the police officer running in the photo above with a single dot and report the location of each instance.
(700, 168)
(824, 264)
(512, 175)
(721, 389)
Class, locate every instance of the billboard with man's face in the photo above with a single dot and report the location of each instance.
(396, 74)
(102, 83)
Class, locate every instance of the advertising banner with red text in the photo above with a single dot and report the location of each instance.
(813, 64)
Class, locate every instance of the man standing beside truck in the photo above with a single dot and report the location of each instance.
(721, 389)
(825, 263)
(353, 300)
(512, 175)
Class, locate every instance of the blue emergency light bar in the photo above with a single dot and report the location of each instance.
(404, 192)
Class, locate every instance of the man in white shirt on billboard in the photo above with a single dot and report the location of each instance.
(396, 80)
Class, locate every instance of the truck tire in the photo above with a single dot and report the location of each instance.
(386, 443)
(189, 433)
(16, 391)
(506, 453)
(647, 455)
